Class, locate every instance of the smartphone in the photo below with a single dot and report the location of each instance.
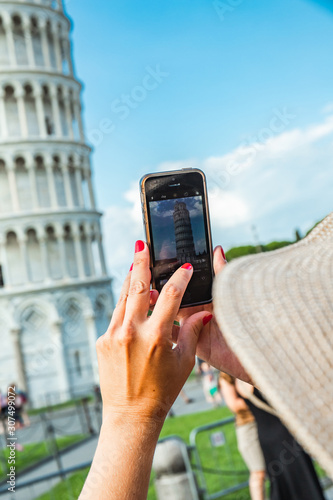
(176, 220)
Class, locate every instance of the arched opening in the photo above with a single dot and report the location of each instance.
(4, 52)
(64, 53)
(70, 252)
(51, 42)
(41, 183)
(31, 111)
(75, 125)
(19, 41)
(53, 254)
(49, 118)
(5, 198)
(12, 115)
(23, 184)
(85, 252)
(59, 182)
(35, 270)
(16, 265)
(71, 172)
(37, 42)
(62, 110)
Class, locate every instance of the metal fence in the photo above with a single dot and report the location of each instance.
(219, 467)
(44, 446)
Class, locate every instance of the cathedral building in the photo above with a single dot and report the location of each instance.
(55, 294)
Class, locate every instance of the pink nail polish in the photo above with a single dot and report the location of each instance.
(187, 266)
(207, 319)
(139, 246)
(131, 268)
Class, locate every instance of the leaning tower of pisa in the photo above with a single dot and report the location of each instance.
(183, 233)
(55, 295)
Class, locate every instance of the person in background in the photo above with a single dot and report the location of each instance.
(290, 469)
(247, 436)
(210, 385)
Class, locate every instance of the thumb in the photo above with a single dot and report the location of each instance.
(190, 330)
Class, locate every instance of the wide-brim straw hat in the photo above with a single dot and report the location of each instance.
(275, 311)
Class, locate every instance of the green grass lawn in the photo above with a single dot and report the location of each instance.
(180, 426)
(34, 452)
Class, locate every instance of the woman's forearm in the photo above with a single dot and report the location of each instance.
(122, 462)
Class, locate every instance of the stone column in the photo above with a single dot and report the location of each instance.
(78, 179)
(28, 41)
(61, 242)
(4, 260)
(89, 319)
(38, 93)
(101, 254)
(51, 182)
(45, 43)
(90, 254)
(56, 111)
(67, 182)
(44, 263)
(78, 251)
(68, 55)
(19, 94)
(33, 183)
(8, 26)
(68, 115)
(60, 361)
(78, 117)
(21, 375)
(13, 187)
(3, 117)
(57, 48)
(91, 191)
(22, 240)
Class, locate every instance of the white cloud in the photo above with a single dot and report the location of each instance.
(278, 184)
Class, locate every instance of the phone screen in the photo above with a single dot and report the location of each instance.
(179, 232)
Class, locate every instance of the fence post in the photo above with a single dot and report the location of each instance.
(174, 476)
(50, 436)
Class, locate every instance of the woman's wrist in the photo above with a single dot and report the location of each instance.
(133, 423)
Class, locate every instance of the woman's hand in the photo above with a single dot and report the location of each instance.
(141, 372)
(212, 346)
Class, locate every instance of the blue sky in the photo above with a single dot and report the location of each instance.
(245, 94)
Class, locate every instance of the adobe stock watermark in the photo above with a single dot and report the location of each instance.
(123, 106)
(247, 150)
(223, 9)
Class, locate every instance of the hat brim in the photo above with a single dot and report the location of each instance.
(275, 311)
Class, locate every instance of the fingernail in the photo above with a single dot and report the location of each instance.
(187, 266)
(139, 246)
(223, 254)
(207, 319)
(131, 268)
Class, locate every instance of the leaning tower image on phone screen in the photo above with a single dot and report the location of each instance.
(183, 233)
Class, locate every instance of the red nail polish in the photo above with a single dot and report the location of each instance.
(207, 319)
(131, 268)
(139, 246)
(187, 266)
(223, 254)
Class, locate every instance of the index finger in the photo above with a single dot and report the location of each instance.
(168, 303)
